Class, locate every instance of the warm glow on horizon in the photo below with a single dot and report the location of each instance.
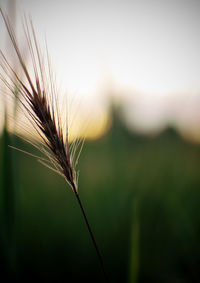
(145, 52)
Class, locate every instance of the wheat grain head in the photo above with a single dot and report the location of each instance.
(38, 98)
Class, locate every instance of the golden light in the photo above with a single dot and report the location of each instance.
(146, 52)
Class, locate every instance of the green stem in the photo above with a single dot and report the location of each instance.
(134, 244)
(8, 204)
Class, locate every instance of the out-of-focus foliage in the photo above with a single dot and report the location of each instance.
(162, 173)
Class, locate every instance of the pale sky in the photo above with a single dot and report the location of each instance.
(147, 51)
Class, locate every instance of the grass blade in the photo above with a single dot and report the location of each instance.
(134, 244)
(8, 197)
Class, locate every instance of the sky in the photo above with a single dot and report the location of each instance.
(143, 53)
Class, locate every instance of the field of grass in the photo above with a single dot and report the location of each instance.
(141, 196)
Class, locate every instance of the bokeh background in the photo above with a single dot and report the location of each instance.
(132, 69)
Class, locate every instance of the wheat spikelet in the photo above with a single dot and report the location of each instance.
(39, 104)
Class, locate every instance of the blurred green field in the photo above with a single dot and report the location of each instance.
(159, 175)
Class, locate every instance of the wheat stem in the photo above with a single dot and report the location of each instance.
(91, 233)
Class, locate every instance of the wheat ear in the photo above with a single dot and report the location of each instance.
(38, 104)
